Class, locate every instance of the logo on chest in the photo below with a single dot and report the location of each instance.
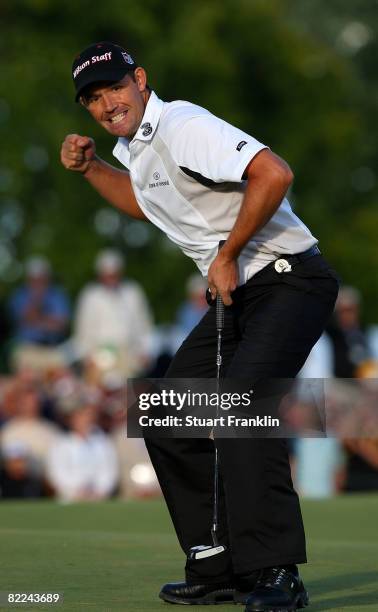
(157, 182)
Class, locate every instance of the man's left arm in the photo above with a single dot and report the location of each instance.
(268, 179)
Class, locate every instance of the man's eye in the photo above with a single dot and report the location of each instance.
(116, 87)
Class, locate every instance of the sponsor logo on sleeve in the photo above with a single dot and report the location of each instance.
(241, 145)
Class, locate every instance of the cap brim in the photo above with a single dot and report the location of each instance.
(110, 75)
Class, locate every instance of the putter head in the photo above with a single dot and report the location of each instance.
(202, 551)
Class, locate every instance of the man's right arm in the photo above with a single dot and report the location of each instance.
(78, 153)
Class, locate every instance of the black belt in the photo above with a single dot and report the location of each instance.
(298, 257)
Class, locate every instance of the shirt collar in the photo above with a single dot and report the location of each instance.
(150, 119)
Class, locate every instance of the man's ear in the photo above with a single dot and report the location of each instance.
(140, 78)
(82, 101)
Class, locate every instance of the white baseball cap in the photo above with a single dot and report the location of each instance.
(37, 266)
(109, 261)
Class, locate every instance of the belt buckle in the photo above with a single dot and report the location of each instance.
(282, 265)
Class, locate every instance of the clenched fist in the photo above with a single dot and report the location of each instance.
(77, 152)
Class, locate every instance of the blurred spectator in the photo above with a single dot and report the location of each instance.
(320, 362)
(318, 465)
(40, 314)
(137, 476)
(27, 427)
(361, 472)
(5, 336)
(318, 462)
(192, 310)
(373, 341)
(350, 343)
(82, 465)
(17, 479)
(113, 325)
(166, 341)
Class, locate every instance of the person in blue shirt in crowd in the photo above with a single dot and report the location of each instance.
(195, 306)
(39, 310)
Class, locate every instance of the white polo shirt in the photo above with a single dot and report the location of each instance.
(186, 168)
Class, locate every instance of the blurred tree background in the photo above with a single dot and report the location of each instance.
(299, 76)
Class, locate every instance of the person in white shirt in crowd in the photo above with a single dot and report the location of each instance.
(82, 465)
(113, 323)
(27, 427)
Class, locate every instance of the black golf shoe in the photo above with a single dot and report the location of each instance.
(197, 594)
(244, 585)
(277, 590)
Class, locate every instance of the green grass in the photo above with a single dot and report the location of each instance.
(114, 556)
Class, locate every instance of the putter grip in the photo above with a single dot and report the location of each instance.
(219, 313)
(219, 302)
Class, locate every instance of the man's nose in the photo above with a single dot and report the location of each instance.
(109, 103)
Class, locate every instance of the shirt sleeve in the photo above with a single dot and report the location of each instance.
(213, 148)
(121, 152)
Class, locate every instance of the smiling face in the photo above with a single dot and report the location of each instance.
(119, 107)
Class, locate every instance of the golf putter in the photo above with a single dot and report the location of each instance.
(203, 551)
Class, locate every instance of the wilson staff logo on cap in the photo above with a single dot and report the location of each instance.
(100, 62)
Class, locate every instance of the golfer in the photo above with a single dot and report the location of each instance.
(201, 180)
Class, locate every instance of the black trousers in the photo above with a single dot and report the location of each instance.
(273, 323)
